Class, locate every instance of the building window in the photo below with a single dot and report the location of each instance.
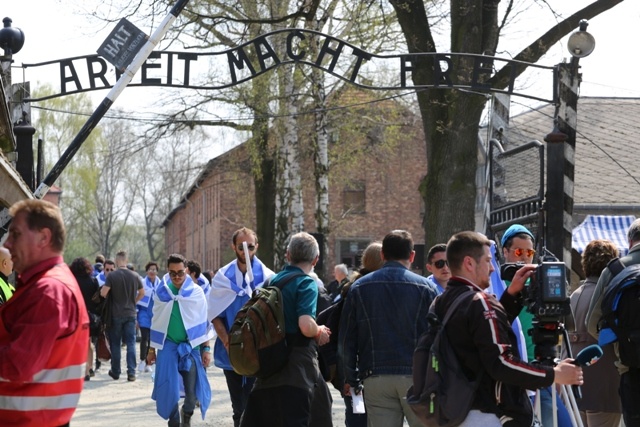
(354, 198)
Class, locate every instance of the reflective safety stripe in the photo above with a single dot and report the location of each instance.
(21, 403)
(49, 376)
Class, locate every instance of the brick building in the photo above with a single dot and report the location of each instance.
(378, 158)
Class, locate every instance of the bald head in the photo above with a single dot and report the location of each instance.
(6, 265)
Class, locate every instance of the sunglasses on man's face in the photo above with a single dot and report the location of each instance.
(519, 252)
(441, 263)
(179, 273)
(109, 269)
(250, 247)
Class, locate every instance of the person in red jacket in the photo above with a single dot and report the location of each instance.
(44, 327)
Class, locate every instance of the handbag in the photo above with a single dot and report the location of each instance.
(96, 298)
(103, 351)
(95, 324)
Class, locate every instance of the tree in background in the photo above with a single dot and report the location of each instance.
(165, 168)
(120, 186)
(451, 118)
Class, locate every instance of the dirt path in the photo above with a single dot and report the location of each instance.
(108, 403)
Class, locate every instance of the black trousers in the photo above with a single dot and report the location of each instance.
(239, 389)
(630, 397)
(145, 342)
(288, 406)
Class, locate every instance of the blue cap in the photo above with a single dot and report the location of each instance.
(514, 230)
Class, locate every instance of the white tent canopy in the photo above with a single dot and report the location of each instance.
(609, 227)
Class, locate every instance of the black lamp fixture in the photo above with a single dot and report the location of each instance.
(11, 39)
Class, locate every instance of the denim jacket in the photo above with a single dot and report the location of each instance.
(384, 314)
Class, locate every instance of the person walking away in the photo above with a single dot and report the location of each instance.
(82, 271)
(44, 327)
(125, 290)
(384, 314)
(297, 395)
(371, 261)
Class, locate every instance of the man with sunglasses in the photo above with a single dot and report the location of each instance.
(107, 268)
(231, 288)
(181, 332)
(438, 266)
(517, 247)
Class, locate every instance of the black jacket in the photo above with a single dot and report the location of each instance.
(483, 340)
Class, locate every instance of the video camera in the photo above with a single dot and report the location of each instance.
(546, 295)
(546, 298)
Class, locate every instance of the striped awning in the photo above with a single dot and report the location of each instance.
(610, 227)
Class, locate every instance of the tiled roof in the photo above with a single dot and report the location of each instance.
(607, 152)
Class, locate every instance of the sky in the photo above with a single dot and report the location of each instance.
(56, 29)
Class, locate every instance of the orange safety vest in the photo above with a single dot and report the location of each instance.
(52, 396)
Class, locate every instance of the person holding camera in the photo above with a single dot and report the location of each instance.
(484, 342)
(517, 247)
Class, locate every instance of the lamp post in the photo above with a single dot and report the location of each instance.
(11, 41)
(561, 145)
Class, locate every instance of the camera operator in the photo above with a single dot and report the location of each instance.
(517, 247)
(484, 342)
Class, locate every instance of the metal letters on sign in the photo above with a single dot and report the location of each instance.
(122, 45)
(235, 66)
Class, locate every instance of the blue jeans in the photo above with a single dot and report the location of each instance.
(123, 328)
(189, 381)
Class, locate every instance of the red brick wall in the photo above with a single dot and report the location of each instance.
(391, 169)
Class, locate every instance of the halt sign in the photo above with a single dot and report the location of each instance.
(122, 45)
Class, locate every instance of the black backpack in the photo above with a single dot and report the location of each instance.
(620, 307)
(441, 395)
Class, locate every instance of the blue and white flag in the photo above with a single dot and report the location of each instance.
(229, 283)
(497, 287)
(193, 309)
(148, 287)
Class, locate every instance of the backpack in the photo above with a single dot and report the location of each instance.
(257, 338)
(441, 394)
(620, 307)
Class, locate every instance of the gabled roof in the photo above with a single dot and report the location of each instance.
(211, 166)
(607, 153)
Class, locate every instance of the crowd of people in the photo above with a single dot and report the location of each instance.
(358, 333)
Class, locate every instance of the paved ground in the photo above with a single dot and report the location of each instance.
(108, 403)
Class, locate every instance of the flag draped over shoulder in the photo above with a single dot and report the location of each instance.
(497, 287)
(229, 283)
(193, 309)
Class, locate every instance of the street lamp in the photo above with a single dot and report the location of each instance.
(581, 43)
(11, 39)
(561, 145)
